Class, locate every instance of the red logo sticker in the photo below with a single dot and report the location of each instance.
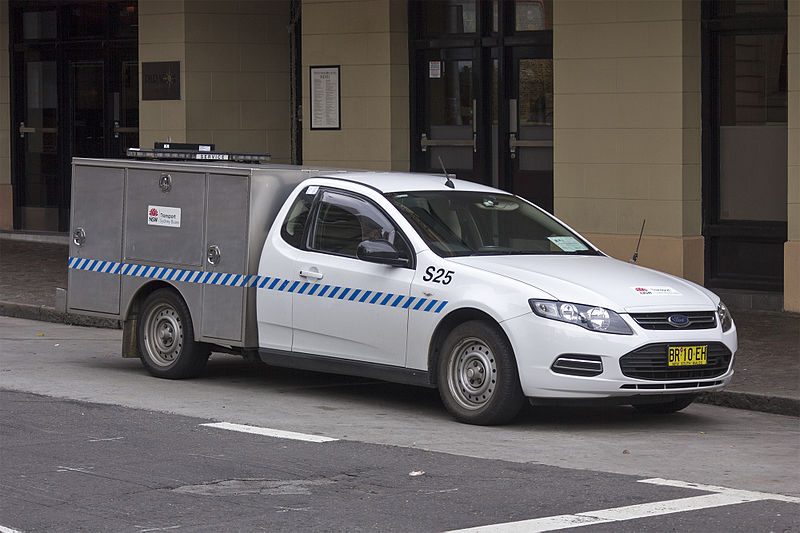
(154, 212)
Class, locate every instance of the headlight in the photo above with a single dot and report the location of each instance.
(724, 315)
(586, 316)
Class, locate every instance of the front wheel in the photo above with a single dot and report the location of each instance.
(477, 375)
(166, 338)
(665, 408)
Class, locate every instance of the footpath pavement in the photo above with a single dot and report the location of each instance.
(767, 363)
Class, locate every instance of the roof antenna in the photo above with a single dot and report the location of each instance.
(636, 253)
(449, 182)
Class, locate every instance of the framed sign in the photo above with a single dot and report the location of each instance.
(326, 100)
(161, 80)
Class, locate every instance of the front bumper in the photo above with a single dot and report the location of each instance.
(539, 342)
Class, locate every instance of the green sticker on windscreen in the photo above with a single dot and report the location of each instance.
(568, 243)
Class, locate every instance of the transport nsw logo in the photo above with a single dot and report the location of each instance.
(158, 215)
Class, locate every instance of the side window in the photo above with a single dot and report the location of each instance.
(294, 226)
(343, 221)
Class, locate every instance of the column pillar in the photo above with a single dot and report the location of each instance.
(627, 128)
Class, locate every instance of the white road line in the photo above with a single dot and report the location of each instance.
(4, 529)
(714, 488)
(723, 496)
(268, 432)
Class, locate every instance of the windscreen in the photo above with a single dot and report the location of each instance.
(460, 223)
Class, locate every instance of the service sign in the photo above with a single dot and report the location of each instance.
(158, 215)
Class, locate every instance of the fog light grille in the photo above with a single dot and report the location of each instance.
(578, 365)
(650, 362)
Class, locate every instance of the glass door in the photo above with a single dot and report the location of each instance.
(530, 126)
(447, 133)
(482, 92)
(38, 190)
(75, 87)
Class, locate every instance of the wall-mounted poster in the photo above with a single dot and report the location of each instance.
(326, 113)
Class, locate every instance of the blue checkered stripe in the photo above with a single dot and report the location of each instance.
(306, 288)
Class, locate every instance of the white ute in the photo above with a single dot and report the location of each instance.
(418, 279)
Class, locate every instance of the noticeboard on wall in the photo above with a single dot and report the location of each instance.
(326, 100)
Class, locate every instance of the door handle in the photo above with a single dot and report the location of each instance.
(313, 274)
(24, 129)
(213, 255)
(123, 129)
(424, 142)
(513, 144)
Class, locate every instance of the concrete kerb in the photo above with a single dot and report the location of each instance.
(753, 402)
(49, 314)
(737, 400)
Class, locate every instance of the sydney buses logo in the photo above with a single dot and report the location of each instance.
(164, 216)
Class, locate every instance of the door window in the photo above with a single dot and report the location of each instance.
(753, 135)
(39, 190)
(343, 222)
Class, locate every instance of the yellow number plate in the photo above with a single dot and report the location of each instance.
(687, 355)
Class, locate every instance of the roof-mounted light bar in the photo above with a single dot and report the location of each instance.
(169, 154)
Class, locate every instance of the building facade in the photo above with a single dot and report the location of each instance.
(682, 113)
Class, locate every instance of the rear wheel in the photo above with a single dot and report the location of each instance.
(166, 338)
(665, 408)
(477, 375)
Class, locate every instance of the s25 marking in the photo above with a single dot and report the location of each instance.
(438, 275)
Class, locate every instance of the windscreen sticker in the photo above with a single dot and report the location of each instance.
(656, 291)
(158, 215)
(568, 243)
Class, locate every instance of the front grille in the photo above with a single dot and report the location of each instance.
(697, 320)
(650, 362)
(578, 365)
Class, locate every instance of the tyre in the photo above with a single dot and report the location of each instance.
(477, 375)
(166, 337)
(665, 408)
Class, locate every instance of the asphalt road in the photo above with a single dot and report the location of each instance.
(89, 441)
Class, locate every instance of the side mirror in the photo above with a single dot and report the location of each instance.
(381, 252)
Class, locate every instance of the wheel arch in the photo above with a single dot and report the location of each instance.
(130, 348)
(446, 325)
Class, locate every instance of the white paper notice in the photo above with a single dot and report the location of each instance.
(325, 98)
(568, 244)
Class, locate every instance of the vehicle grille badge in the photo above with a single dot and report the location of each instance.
(678, 321)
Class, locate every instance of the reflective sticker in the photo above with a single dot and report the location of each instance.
(226, 279)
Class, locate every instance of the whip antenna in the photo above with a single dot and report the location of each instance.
(449, 182)
(636, 252)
